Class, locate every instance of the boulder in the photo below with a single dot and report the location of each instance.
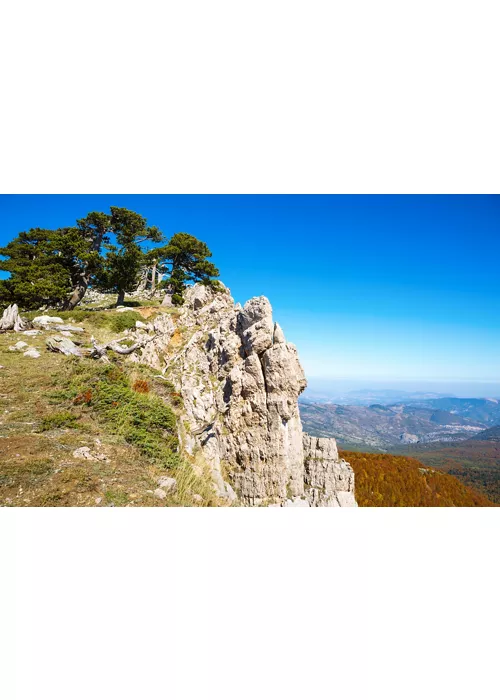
(167, 483)
(32, 353)
(63, 345)
(12, 321)
(70, 329)
(20, 345)
(46, 320)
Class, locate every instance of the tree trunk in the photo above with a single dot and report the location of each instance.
(77, 294)
(143, 281)
(121, 298)
(153, 278)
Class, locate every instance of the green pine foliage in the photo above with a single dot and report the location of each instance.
(185, 258)
(124, 260)
(54, 268)
(38, 274)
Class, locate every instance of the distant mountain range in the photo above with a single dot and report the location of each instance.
(458, 436)
(490, 435)
(421, 420)
(366, 397)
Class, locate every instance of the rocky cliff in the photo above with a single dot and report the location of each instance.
(240, 380)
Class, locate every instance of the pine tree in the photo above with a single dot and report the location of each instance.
(123, 261)
(39, 274)
(81, 248)
(185, 259)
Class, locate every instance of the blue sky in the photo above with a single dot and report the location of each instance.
(368, 287)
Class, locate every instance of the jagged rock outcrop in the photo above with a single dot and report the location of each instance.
(329, 480)
(12, 321)
(240, 381)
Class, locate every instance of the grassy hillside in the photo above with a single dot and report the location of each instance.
(52, 405)
(391, 480)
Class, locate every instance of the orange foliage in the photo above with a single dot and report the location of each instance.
(141, 386)
(391, 480)
(86, 397)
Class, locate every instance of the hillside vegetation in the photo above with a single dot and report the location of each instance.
(77, 432)
(391, 480)
(475, 462)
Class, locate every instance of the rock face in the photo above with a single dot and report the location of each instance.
(240, 381)
(329, 480)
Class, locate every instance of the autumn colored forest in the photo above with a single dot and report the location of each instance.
(392, 480)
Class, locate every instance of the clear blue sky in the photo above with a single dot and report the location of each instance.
(375, 287)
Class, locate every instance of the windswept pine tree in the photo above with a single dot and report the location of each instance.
(102, 251)
(39, 274)
(82, 252)
(123, 262)
(185, 260)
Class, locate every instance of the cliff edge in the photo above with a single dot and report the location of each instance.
(240, 380)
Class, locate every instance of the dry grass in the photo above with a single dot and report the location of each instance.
(42, 423)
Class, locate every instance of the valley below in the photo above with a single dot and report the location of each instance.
(459, 437)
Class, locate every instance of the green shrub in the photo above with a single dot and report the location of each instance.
(143, 420)
(121, 322)
(61, 419)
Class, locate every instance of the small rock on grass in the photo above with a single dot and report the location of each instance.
(20, 345)
(44, 320)
(31, 353)
(167, 483)
(86, 453)
(160, 493)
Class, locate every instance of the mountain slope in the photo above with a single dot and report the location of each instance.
(200, 401)
(485, 411)
(489, 435)
(390, 480)
(476, 462)
(384, 426)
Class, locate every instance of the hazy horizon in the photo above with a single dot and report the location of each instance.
(468, 388)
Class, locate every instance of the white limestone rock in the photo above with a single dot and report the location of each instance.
(63, 345)
(46, 320)
(329, 480)
(12, 321)
(69, 328)
(32, 352)
(167, 483)
(20, 345)
(86, 453)
(240, 380)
